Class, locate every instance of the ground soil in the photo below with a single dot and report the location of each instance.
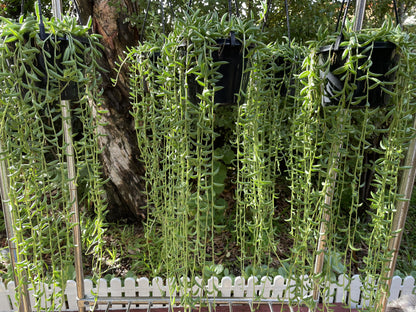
(259, 308)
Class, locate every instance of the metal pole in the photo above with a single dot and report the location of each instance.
(57, 9)
(24, 303)
(359, 14)
(66, 115)
(319, 260)
(329, 195)
(402, 206)
(67, 127)
(332, 176)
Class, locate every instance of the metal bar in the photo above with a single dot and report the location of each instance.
(108, 307)
(167, 300)
(66, 116)
(359, 14)
(128, 307)
(329, 195)
(24, 303)
(402, 207)
(57, 9)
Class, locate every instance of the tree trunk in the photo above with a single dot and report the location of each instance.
(120, 163)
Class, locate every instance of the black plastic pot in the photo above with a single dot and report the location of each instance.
(153, 57)
(69, 90)
(383, 58)
(284, 74)
(232, 80)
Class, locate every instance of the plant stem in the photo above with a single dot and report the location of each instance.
(24, 305)
(402, 206)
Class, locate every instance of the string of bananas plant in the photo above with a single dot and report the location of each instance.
(261, 141)
(36, 73)
(345, 160)
(174, 81)
(173, 90)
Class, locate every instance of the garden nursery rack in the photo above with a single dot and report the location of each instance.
(129, 299)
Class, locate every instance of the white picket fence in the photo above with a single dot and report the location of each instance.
(346, 290)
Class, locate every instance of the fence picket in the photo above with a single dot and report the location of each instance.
(341, 289)
(102, 291)
(226, 286)
(12, 291)
(251, 288)
(116, 291)
(144, 289)
(71, 295)
(408, 286)
(198, 288)
(158, 287)
(5, 304)
(239, 284)
(265, 287)
(279, 288)
(353, 291)
(130, 289)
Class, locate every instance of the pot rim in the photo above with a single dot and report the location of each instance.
(81, 39)
(377, 45)
(221, 42)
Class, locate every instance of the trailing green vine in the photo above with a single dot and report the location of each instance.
(339, 150)
(261, 143)
(36, 74)
(346, 161)
(192, 146)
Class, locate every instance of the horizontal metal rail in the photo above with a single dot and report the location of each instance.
(150, 301)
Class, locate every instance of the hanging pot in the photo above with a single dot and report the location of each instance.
(284, 74)
(383, 59)
(53, 51)
(234, 80)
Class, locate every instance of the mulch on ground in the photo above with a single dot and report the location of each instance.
(336, 307)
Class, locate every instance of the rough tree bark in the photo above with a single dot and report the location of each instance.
(120, 157)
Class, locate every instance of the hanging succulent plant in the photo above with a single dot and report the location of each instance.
(262, 139)
(36, 73)
(192, 144)
(175, 101)
(329, 157)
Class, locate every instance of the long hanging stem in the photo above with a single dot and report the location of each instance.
(24, 304)
(73, 198)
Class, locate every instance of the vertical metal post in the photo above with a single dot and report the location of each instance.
(402, 206)
(66, 116)
(57, 9)
(70, 157)
(359, 14)
(24, 303)
(332, 176)
(329, 195)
